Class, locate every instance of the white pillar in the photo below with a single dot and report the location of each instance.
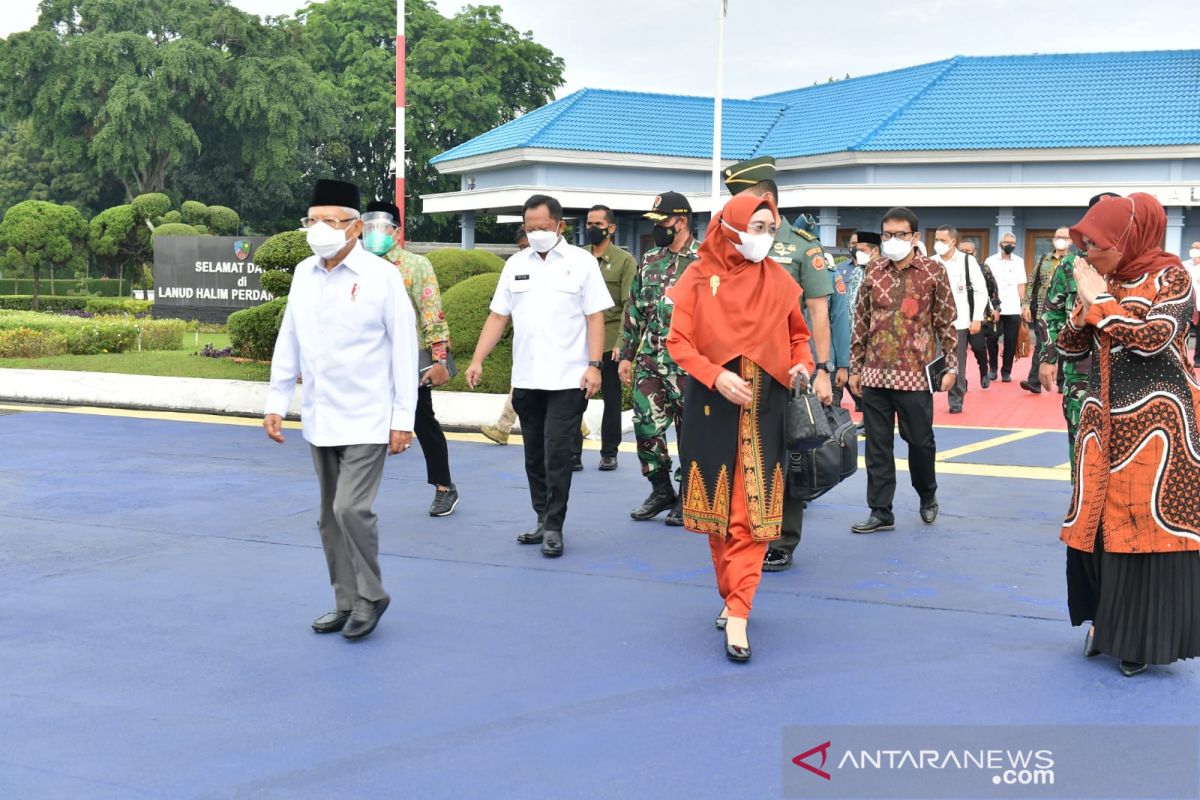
(1175, 232)
(1005, 222)
(401, 52)
(828, 223)
(468, 230)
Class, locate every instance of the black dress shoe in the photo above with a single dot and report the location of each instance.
(577, 465)
(1006, 378)
(661, 498)
(675, 515)
(1031, 387)
(1089, 647)
(364, 617)
(532, 537)
(992, 375)
(777, 560)
(735, 652)
(332, 622)
(984, 381)
(929, 512)
(1131, 668)
(955, 409)
(608, 463)
(553, 546)
(873, 524)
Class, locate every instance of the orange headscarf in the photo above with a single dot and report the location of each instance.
(740, 307)
(1133, 226)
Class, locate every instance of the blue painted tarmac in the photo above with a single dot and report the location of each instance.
(158, 578)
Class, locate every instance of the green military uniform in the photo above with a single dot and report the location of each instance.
(619, 268)
(657, 379)
(1035, 303)
(1060, 300)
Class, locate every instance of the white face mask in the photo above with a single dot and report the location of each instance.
(542, 241)
(325, 240)
(897, 249)
(941, 248)
(1194, 254)
(753, 247)
(1062, 244)
(861, 258)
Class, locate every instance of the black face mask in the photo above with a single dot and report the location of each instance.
(1008, 248)
(596, 235)
(663, 237)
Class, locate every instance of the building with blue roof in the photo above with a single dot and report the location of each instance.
(990, 144)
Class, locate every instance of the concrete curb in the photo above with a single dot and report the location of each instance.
(455, 410)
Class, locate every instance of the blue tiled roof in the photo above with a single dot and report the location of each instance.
(963, 103)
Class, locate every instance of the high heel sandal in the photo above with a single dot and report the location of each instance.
(736, 652)
(1089, 649)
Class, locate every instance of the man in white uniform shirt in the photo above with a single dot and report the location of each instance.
(1192, 263)
(970, 298)
(1009, 271)
(350, 329)
(556, 297)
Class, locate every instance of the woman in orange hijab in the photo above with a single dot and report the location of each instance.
(1133, 528)
(738, 331)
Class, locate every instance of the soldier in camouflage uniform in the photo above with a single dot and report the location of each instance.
(1060, 300)
(1035, 302)
(657, 380)
(798, 251)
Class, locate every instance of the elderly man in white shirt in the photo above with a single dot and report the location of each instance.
(1009, 271)
(970, 298)
(350, 329)
(555, 295)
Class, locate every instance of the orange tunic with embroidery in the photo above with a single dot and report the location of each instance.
(1137, 473)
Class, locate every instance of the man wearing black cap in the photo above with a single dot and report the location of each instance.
(798, 251)
(657, 380)
(380, 225)
(350, 329)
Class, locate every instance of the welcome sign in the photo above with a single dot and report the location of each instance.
(206, 277)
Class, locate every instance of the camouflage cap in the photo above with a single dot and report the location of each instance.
(668, 204)
(745, 174)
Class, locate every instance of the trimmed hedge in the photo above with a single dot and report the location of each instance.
(104, 288)
(35, 334)
(283, 251)
(277, 281)
(466, 307)
(253, 331)
(27, 343)
(175, 229)
(92, 305)
(453, 266)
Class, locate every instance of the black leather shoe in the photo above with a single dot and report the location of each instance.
(929, 512)
(332, 622)
(1006, 378)
(984, 381)
(364, 617)
(955, 409)
(553, 546)
(873, 524)
(1131, 668)
(777, 560)
(992, 375)
(608, 463)
(532, 537)
(675, 515)
(1031, 387)
(1089, 647)
(577, 465)
(734, 652)
(661, 498)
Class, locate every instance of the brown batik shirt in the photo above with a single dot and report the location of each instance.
(900, 318)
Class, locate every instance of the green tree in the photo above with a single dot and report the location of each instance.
(36, 233)
(117, 237)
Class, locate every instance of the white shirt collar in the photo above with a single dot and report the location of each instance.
(353, 261)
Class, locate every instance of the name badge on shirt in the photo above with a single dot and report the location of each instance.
(520, 277)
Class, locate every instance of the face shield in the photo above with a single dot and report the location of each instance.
(379, 231)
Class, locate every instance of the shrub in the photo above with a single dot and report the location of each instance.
(283, 251)
(117, 305)
(252, 331)
(466, 307)
(277, 281)
(222, 221)
(92, 337)
(453, 266)
(92, 305)
(194, 213)
(172, 217)
(202, 229)
(27, 343)
(151, 206)
(163, 334)
(175, 229)
(93, 286)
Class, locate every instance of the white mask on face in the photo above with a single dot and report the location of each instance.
(861, 258)
(1194, 253)
(542, 241)
(325, 240)
(941, 248)
(753, 247)
(1062, 244)
(897, 249)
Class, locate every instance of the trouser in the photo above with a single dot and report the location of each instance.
(349, 478)
(1072, 403)
(657, 402)
(549, 424)
(976, 343)
(793, 524)
(1010, 325)
(881, 409)
(610, 387)
(1039, 339)
(433, 440)
(737, 558)
(508, 417)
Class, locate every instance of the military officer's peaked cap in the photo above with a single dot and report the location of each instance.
(745, 174)
(668, 204)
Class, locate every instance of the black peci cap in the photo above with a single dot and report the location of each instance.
(328, 192)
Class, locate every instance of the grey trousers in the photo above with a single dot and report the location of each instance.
(959, 389)
(349, 478)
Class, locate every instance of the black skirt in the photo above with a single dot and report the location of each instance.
(1145, 606)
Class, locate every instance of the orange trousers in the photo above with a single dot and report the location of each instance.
(737, 558)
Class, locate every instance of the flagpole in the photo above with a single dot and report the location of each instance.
(401, 51)
(716, 152)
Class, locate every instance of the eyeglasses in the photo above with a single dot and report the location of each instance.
(308, 222)
(902, 235)
(759, 228)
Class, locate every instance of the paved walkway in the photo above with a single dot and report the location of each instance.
(158, 575)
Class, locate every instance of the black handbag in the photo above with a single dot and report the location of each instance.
(806, 427)
(813, 473)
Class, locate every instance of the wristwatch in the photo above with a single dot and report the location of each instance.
(827, 366)
(596, 364)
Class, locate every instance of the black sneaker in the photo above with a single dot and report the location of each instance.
(444, 502)
(608, 463)
(777, 560)
(873, 524)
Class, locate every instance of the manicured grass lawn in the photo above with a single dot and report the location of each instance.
(174, 363)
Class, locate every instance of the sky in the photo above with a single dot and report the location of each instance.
(773, 45)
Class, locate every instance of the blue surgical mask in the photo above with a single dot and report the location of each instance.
(378, 242)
